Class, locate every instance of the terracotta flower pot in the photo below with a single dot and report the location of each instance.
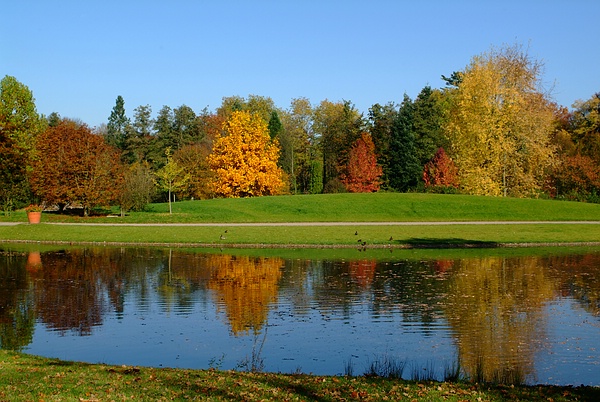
(34, 217)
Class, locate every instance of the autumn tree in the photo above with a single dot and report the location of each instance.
(585, 127)
(75, 166)
(171, 177)
(193, 159)
(577, 178)
(244, 160)
(138, 188)
(338, 125)
(299, 152)
(440, 172)
(362, 172)
(262, 106)
(500, 123)
(577, 138)
(20, 125)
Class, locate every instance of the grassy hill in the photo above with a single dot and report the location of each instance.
(341, 210)
(376, 207)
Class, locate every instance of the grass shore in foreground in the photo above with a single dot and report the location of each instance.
(25, 378)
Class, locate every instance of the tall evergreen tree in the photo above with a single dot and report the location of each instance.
(53, 119)
(163, 131)
(427, 125)
(186, 127)
(275, 127)
(381, 121)
(116, 129)
(139, 134)
(405, 169)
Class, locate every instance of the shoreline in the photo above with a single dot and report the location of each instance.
(400, 246)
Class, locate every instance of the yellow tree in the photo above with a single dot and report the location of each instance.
(172, 177)
(244, 160)
(499, 125)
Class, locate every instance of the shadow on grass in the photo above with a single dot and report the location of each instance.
(79, 212)
(425, 242)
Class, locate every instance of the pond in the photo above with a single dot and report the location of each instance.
(529, 316)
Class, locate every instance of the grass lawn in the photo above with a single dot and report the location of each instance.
(28, 378)
(344, 236)
(332, 208)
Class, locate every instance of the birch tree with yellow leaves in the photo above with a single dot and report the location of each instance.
(244, 159)
(499, 125)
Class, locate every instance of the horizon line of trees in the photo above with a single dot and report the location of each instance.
(492, 130)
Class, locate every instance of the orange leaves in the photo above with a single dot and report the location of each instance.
(362, 172)
(75, 166)
(440, 171)
(499, 124)
(244, 160)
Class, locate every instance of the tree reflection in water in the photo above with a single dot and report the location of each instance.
(245, 287)
(494, 308)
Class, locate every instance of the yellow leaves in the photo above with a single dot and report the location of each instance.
(500, 125)
(245, 159)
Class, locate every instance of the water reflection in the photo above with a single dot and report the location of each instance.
(496, 315)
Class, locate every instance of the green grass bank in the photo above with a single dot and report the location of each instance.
(31, 378)
(339, 220)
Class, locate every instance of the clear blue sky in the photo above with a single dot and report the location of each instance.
(78, 56)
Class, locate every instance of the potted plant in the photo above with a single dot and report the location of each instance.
(34, 213)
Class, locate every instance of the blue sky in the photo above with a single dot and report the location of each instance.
(78, 56)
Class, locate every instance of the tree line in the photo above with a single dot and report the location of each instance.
(492, 129)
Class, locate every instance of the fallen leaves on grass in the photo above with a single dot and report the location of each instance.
(24, 378)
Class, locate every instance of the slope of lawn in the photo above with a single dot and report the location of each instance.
(375, 207)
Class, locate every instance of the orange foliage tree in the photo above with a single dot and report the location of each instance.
(75, 166)
(244, 160)
(577, 177)
(362, 171)
(440, 171)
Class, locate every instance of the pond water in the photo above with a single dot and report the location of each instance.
(495, 314)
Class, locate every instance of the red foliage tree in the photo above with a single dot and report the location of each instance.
(362, 171)
(75, 166)
(577, 177)
(440, 171)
